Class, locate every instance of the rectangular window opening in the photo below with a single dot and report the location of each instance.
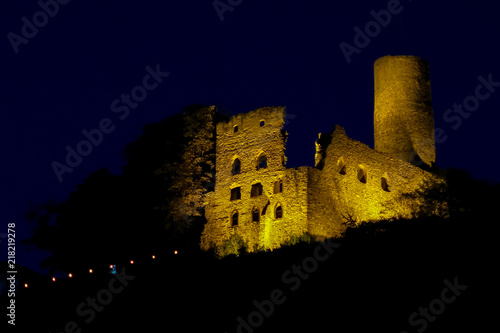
(256, 190)
(236, 193)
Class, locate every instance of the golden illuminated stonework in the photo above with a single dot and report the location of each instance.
(260, 204)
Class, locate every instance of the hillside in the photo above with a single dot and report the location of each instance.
(373, 280)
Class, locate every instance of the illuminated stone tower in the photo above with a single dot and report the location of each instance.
(403, 117)
(256, 198)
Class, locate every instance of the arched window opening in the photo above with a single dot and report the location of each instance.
(256, 190)
(341, 167)
(278, 186)
(279, 212)
(235, 128)
(236, 193)
(262, 162)
(385, 182)
(255, 215)
(385, 185)
(362, 174)
(236, 169)
(234, 219)
(262, 123)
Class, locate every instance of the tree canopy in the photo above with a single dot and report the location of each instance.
(154, 205)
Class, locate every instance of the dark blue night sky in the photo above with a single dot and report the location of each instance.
(66, 76)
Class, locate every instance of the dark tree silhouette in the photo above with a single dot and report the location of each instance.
(156, 204)
(92, 227)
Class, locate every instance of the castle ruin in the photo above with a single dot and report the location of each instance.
(262, 204)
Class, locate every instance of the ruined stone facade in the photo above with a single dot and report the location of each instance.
(260, 204)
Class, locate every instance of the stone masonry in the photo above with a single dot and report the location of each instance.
(260, 204)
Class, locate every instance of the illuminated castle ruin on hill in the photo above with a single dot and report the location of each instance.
(262, 204)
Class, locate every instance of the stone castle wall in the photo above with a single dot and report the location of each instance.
(365, 185)
(258, 133)
(350, 181)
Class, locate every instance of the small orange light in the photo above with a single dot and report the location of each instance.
(175, 252)
(70, 275)
(91, 271)
(154, 257)
(25, 285)
(132, 262)
(54, 279)
(110, 266)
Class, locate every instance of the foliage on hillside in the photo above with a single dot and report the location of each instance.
(155, 205)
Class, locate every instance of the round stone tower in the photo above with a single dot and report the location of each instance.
(403, 117)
